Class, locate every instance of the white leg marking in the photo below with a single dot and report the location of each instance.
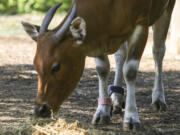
(160, 30)
(131, 112)
(120, 57)
(102, 67)
(102, 113)
(118, 99)
(158, 90)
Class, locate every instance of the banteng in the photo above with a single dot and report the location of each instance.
(97, 28)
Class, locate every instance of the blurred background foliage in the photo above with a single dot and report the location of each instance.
(13, 7)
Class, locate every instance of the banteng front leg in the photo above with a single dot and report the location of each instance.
(116, 91)
(102, 114)
(135, 49)
(160, 29)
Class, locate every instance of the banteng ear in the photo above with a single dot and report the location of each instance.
(32, 30)
(78, 30)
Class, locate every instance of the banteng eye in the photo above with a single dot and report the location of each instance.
(56, 68)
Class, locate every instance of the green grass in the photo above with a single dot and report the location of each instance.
(11, 25)
(10, 31)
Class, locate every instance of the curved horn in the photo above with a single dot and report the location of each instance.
(57, 35)
(47, 19)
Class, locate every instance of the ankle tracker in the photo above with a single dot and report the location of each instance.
(115, 89)
(105, 101)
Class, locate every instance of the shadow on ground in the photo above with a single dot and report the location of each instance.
(18, 90)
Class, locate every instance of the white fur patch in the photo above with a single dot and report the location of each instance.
(79, 32)
(131, 64)
(158, 90)
(103, 64)
(120, 57)
(131, 109)
(103, 110)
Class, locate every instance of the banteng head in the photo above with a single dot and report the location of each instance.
(59, 59)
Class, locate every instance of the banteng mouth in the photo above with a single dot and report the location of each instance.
(42, 111)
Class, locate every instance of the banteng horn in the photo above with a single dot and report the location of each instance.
(47, 19)
(65, 26)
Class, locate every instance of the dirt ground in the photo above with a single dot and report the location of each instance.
(18, 84)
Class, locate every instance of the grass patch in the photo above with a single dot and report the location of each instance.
(11, 24)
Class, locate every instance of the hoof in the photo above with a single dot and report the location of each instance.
(130, 126)
(159, 106)
(100, 120)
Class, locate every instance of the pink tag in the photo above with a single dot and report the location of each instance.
(105, 101)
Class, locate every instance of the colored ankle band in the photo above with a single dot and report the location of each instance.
(115, 89)
(105, 101)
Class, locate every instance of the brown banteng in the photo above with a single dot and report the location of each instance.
(97, 28)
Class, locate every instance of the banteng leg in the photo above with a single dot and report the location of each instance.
(160, 29)
(116, 91)
(135, 49)
(102, 114)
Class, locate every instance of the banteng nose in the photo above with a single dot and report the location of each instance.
(42, 111)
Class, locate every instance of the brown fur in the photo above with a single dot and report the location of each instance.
(109, 23)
